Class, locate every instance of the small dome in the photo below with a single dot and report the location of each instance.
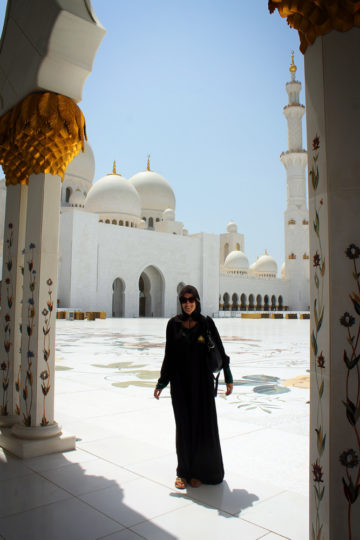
(231, 227)
(82, 166)
(169, 214)
(77, 198)
(155, 192)
(237, 260)
(113, 194)
(265, 265)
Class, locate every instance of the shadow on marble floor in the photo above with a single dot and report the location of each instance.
(56, 497)
(229, 503)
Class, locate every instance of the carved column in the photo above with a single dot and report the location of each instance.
(330, 42)
(11, 295)
(38, 138)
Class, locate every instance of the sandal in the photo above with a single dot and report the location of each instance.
(194, 482)
(180, 483)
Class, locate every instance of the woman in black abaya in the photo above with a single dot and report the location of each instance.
(192, 392)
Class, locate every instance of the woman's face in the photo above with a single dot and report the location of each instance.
(188, 303)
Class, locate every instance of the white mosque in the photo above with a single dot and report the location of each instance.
(122, 251)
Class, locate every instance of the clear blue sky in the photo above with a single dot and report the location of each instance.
(200, 85)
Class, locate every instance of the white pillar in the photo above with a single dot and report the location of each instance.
(333, 123)
(39, 433)
(11, 303)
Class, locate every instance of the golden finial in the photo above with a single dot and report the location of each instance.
(114, 167)
(292, 67)
(148, 163)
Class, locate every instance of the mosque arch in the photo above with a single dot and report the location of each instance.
(251, 302)
(266, 302)
(235, 302)
(178, 289)
(107, 220)
(151, 292)
(118, 298)
(226, 250)
(280, 303)
(258, 302)
(114, 222)
(151, 223)
(226, 300)
(68, 193)
(243, 300)
(273, 302)
(121, 222)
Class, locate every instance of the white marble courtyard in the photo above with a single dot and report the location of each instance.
(118, 484)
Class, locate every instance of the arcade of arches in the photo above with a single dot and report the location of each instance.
(251, 302)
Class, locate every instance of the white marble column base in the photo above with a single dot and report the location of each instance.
(33, 447)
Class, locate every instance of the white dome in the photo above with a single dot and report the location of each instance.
(113, 194)
(82, 166)
(77, 198)
(231, 227)
(265, 265)
(169, 214)
(237, 260)
(155, 192)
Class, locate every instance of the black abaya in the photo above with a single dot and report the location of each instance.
(192, 393)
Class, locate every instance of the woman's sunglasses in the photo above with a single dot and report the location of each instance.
(190, 299)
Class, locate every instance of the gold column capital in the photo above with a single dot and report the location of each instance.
(41, 134)
(313, 18)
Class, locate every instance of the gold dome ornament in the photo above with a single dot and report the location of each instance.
(292, 67)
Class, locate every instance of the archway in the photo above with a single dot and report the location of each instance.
(235, 302)
(118, 298)
(273, 303)
(251, 302)
(226, 299)
(243, 302)
(280, 303)
(151, 293)
(178, 289)
(258, 302)
(266, 302)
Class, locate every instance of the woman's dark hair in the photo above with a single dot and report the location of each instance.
(190, 289)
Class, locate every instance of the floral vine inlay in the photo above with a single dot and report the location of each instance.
(7, 306)
(45, 374)
(30, 324)
(318, 356)
(351, 356)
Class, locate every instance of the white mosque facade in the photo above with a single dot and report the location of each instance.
(121, 250)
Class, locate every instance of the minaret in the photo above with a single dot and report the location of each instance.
(296, 224)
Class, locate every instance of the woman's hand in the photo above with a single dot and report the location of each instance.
(157, 393)
(229, 389)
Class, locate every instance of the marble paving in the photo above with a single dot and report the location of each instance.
(119, 482)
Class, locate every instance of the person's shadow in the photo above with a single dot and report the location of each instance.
(229, 503)
(52, 497)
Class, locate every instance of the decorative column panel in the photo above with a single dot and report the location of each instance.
(11, 303)
(332, 74)
(39, 301)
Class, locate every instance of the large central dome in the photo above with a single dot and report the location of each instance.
(155, 192)
(113, 194)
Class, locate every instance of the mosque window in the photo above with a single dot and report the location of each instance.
(151, 222)
(237, 246)
(157, 220)
(291, 222)
(107, 220)
(114, 222)
(121, 222)
(126, 223)
(67, 194)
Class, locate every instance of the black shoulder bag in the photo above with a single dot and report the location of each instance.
(213, 357)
